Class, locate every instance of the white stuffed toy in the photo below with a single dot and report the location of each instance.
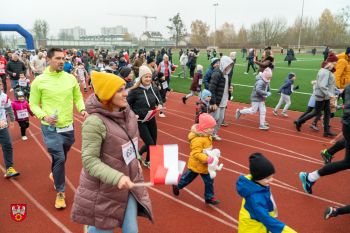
(214, 165)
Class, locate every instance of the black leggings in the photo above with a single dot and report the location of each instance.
(308, 110)
(319, 106)
(338, 166)
(193, 67)
(338, 146)
(168, 80)
(289, 62)
(344, 210)
(148, 134)
(4, 85)
(23, 125)
(252, 65)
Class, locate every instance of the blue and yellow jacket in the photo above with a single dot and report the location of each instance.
(257, 211)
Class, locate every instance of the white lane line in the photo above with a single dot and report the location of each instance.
(49, 156)
(37, 204)
(194, 208)
(336, 138)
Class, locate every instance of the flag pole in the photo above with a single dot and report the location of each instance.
(143, 184)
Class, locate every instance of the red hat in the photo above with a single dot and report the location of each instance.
(205, 121)
(332, 57)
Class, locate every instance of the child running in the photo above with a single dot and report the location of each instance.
(287, 89)
(21, 109)
(24, 85)
(203, 105)
(163, 89)
(126, 73)
(201, 144)
(80, 73)
(258, 209)
(258, 97)
(196, 84)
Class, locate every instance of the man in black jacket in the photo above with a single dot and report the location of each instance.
(220, 88)
(326, 53)
(85, 60)
(159, 58)
(14, 68)
(152, 53)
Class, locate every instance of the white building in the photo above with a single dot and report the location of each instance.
(75, 32)
(114, 30)
(151, 36)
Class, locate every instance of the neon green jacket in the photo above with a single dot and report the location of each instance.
(55, 91)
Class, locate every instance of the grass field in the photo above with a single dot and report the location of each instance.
(306, 69)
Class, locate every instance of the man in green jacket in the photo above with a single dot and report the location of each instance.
(56, 90)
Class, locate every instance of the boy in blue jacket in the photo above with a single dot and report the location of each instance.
(287, 88)
(258, 209)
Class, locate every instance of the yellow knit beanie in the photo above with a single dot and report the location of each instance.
(106, 85)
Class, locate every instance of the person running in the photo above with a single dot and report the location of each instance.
(47, 91)
(326, 53)
(85, 60)
(193, 61)
(324, 91)
(67, 66)
(215, 62)
(3, 73)
(244, 51)
(196, 85)
(290, 57)
(108, 170)
(267, 60)
(144, 97)
(203, 105)
(183, 62)
(165, 67)
(38, 64)
(127, 75)
(342, 73)
(14, 68)
(80, 74)
(138, 63)
(208, 54)
(26, 62)
(163, 89)
(250, 59)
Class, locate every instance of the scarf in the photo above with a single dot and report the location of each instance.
(325, 63)
(199, 72)
(148, 87)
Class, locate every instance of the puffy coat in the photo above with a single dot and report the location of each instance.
(122, 63)
(200, 143)
(152, 68)
(342, 73)
(2, 65)
(194, 59)
(260, 90)
(16, 67)
(197, 78)
(257, 211)
(98, 201)
(159, 59)
(346, 112)
(290, 56)
(142, 100)
(183, 59)
(18, 105)
(286, 88)
(264, 64)
(201, 108)
(325, 84)
(250, 58)
(138, 63)
(207, 76)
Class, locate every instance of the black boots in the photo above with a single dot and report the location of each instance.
(297, 124)
(184, 99)
(328, 133)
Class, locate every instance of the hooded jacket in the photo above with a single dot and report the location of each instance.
(197, 82)
(325, 84)
(218, 82)
(98, 201)
(201, 108)
(257, 212)
(18, 105)
(200, 143)
(16, 67)
(207, 76)
(266, 63)
(290, 56)
(342, 74)
(260, 90)
(286, 88)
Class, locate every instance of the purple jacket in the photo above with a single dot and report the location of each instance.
(18, 105)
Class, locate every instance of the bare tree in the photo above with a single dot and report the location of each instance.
(200, 31)
(177, 29)
(229, 33)
(242, 36)
(254, 34)
(273, 31)
(37, 28)
(45, 28)
(346, 13)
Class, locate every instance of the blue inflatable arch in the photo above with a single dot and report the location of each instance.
(20, 30)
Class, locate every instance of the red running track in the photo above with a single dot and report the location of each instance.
(290, 151)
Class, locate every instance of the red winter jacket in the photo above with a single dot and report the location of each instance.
(2, 65)
(197, 78)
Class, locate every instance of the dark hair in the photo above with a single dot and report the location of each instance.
(51, 51)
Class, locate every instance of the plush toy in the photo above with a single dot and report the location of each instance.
(214, 165)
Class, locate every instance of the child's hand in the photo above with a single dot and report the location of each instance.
(297, 87)
(278, 93)
(198, 89)
(269, 94)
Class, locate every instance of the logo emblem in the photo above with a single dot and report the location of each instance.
(18, 212)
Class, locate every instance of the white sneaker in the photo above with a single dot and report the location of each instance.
(161, 115)
(254, 73)
(245, 73)
(216, 138)
(24, 138)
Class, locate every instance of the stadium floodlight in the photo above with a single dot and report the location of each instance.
(215, 23)
(301, 23)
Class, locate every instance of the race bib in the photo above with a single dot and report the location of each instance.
(21, 114)
(200, 82)
(165, 85)
(22, 83)
(81, 71)
(2, 71)
(292, 88)
(64, 129)
(128, 150)
(100, 65)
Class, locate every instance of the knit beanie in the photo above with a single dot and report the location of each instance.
(144, 70)
(214, 60)
(160, 75)
(165, 56)
(233, 55)
(267, 74)
(205, 121)
(149, 60)
(125, 71)
(199, 67)
(347, 50)
(291, 75)
(106, 85)
(260, 167)
(332, 57)
(140, 51)
(205, 94)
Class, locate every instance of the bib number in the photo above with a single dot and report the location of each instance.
(200, 82)
(65, 129)
(81, 72)
(21, 114)
(128, 150)
(165, 85)
(100, 65)
(22, 83)
(2, 71)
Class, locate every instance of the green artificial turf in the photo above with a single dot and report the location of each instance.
(306, 69)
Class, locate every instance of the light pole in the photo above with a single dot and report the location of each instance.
(301, 22)
(215, 23)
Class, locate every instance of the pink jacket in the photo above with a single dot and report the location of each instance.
(18, 105)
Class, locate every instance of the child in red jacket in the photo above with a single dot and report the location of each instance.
(196, 84)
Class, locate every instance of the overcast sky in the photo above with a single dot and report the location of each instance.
(92, 14)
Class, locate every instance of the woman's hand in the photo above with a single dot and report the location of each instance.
(160, 107)
(137, 116)
(159, 88)
(125, 183)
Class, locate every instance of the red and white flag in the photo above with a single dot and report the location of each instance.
(165, 166)
(149, 115)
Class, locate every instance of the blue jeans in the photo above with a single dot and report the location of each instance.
(36, 74)
(189, 176)
(13, 83)
(130, 219)
(7, 149)
(58, 145)
(243, 54)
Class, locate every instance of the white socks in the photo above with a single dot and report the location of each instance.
(312, 177)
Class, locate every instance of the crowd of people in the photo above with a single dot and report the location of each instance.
(127, 93)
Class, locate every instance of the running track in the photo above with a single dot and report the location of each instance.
(290, 151)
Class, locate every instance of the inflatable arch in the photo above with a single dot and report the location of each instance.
(20, 30)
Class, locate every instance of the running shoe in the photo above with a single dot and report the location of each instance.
(326, 158)
(147, 164)
(263, 127)
(306, 183)
(60, 202)
(314, 126)
(254, 73)
(284, 114)
(275, 112)
(265, 123)
(330, 212)
(24, 138)
(161, 115)
(51, 177)
(238, 114)
(11, 172)
(216, 138)
(213, 201)
(245, 73)
(224, 124)
(176, 192)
